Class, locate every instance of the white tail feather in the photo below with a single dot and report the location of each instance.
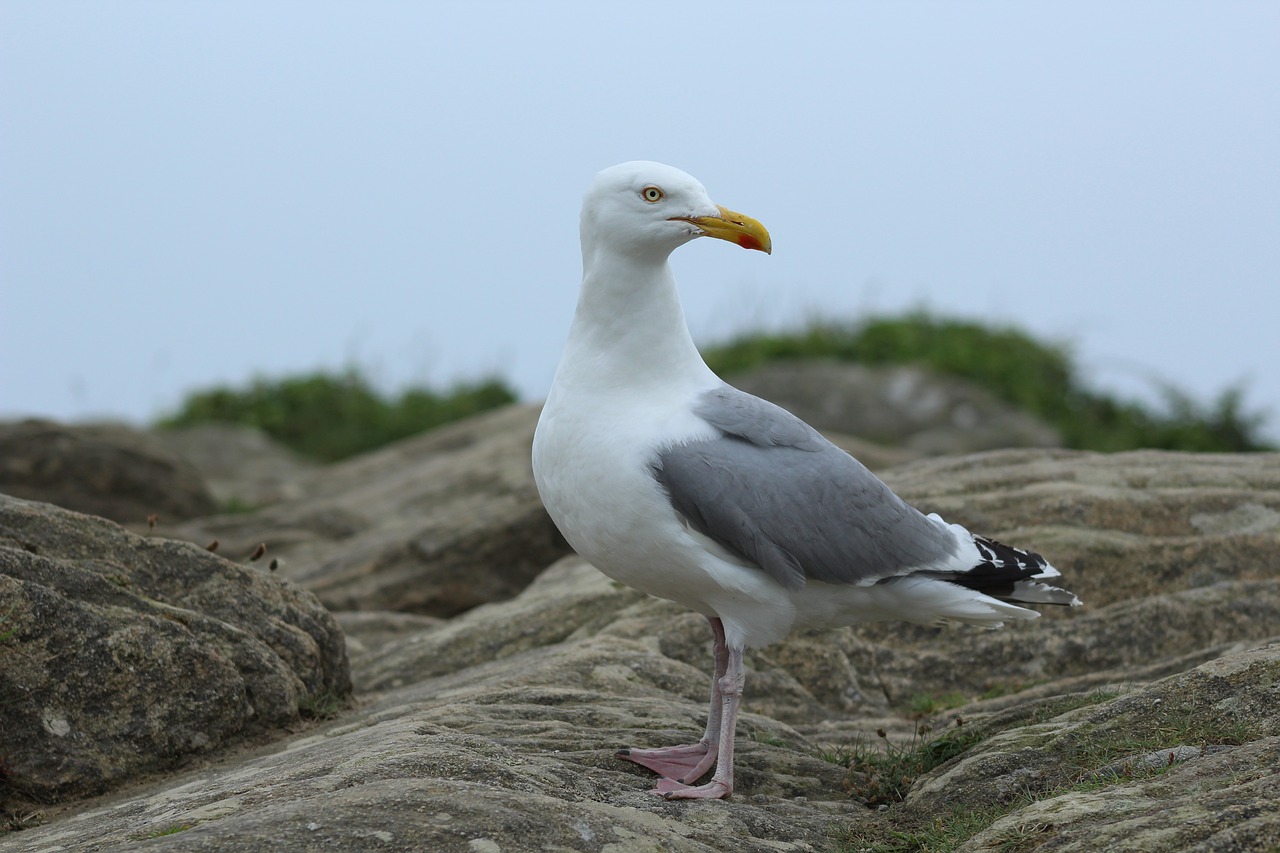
(1040, 593)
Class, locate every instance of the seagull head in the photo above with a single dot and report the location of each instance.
(649, 209)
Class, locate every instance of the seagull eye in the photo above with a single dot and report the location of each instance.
(652, 194)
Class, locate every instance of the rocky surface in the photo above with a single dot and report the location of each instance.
(434, 524)
(900, 406)
(243, 466)
(123, 655)
(1144, 721)
(110, 470)
(1191, 762)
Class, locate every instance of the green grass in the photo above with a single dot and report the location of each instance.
(929, 704)
(321, 706)
(236, 506)
(1058, 706)
(1039, 377)
(172, 829)
(882, 774)
(995, 691)
(330, 416)
(8, 633)
(1085, 754)
(941, 834)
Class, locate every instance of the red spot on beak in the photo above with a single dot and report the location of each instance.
(746, 241)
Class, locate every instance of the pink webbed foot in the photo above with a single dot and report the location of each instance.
(673, 762)
(713, 790)
(680, 766)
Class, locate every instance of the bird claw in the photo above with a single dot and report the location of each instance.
(672, 762)
(669, 789)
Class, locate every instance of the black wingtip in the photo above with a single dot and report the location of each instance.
(1007, 572)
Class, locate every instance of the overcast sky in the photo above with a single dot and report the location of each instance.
(192, 193)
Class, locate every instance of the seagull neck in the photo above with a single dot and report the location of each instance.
(629, 323)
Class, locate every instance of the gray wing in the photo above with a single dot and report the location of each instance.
(772, 490)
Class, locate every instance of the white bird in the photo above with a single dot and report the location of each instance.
(681, 486)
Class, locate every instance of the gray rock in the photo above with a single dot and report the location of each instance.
(243, 466)
(435, 524)
(368, 632)
(123, 655)
(902, 405)
(1221, 791)
(495, 729)
(1119, 526)
(511, 755)
(106, 469)
(516, 754)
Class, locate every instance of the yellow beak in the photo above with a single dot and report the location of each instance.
(734, 227)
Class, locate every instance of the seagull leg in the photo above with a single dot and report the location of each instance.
(721, 784)
(680, 762)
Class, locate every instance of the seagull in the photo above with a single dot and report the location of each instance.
(673, 482)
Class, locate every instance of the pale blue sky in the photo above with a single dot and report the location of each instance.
(195, 192)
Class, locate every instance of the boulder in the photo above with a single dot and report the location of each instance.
(109, 470)
(122, 655)
(900, 405)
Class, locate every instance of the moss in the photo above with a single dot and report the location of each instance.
(1089, 756)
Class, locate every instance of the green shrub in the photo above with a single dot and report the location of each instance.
(331, 416)
(1041, 378)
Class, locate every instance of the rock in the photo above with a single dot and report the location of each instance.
(1214, 730)
(435, 524)
(1160, 596)
(243, 466)
(106, 469)
(513, 755)
(516, 753)
(122, 655)
(877, 457)
(901, 405)
(371, 631)
(1119, 526)
(495, 729)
